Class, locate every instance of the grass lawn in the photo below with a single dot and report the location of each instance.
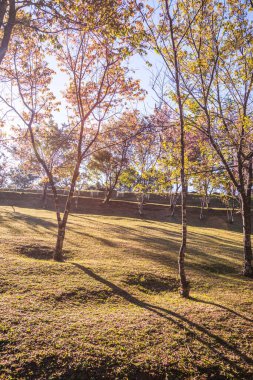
(112, 309)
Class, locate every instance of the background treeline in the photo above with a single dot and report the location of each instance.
(143, 167)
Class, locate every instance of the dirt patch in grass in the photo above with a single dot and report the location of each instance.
(81, 295)
(36, 251)
(148, 282)
(39, 252)
(4, 285)
(96, 368)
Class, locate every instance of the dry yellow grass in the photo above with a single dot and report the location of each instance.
(112, 309)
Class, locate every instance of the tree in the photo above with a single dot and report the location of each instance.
(229, 197)
(38, 15)
(7, 22)
(4, 171)
(214, 62)
(168, 168)
(110, 167)
(20, 179)
(55, 143)
(142, 174)
(48, 17)
(203, 172)
(114, 150)
(218, 80)
(98, 83)
(167, 37)
(169, 162)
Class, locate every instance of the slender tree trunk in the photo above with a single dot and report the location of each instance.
(230, 210)
(181, 258)
(109, 192)
(140, 200)
(172, 209)
(246, 219)
(207, 201)
(173, 203)
(108, 196)
(77, 199)
(44, 196)
(58, 254)
(230, 215)
(185, 289)
(8, 27)
(201, 215)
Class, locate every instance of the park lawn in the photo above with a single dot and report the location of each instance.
(112, 309)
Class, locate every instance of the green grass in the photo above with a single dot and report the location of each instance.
(112, 309)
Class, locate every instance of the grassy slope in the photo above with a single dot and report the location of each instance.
(112, 309)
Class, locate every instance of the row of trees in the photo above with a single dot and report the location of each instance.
(206, 47)
(145, 160)
(201, 133)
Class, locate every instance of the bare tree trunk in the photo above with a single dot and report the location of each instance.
(230, 215)
(77, 199)
(58, 254)
(201, 215)
(44, 196)
(246, 219)
(207, 201)
(172, 209)
(181, 258)
(185, 289)
(173, 203)
(9, 25)
(140, 200)
(108, 196)
(109, 192)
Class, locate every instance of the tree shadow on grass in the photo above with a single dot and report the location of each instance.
(150, 283)
(222, 307)
(162, 247)
(36, 251)
(204, 336)
(170, 238)
(165, 251)
(100, 239)
(34, 221)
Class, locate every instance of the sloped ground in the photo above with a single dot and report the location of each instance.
(112, 309)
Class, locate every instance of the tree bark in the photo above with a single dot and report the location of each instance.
(247, 249)
(185, 289)
(140, 201)
(8, 27)
(230, 215)
(108, 196)
(172, 209)
(201, 215)
(58, 254)
(181, 258)
(44, 196)
(77, 199)
(173, 202)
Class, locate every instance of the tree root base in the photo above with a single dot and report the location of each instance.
(247, 270)
(58, 259)
(185, 293)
